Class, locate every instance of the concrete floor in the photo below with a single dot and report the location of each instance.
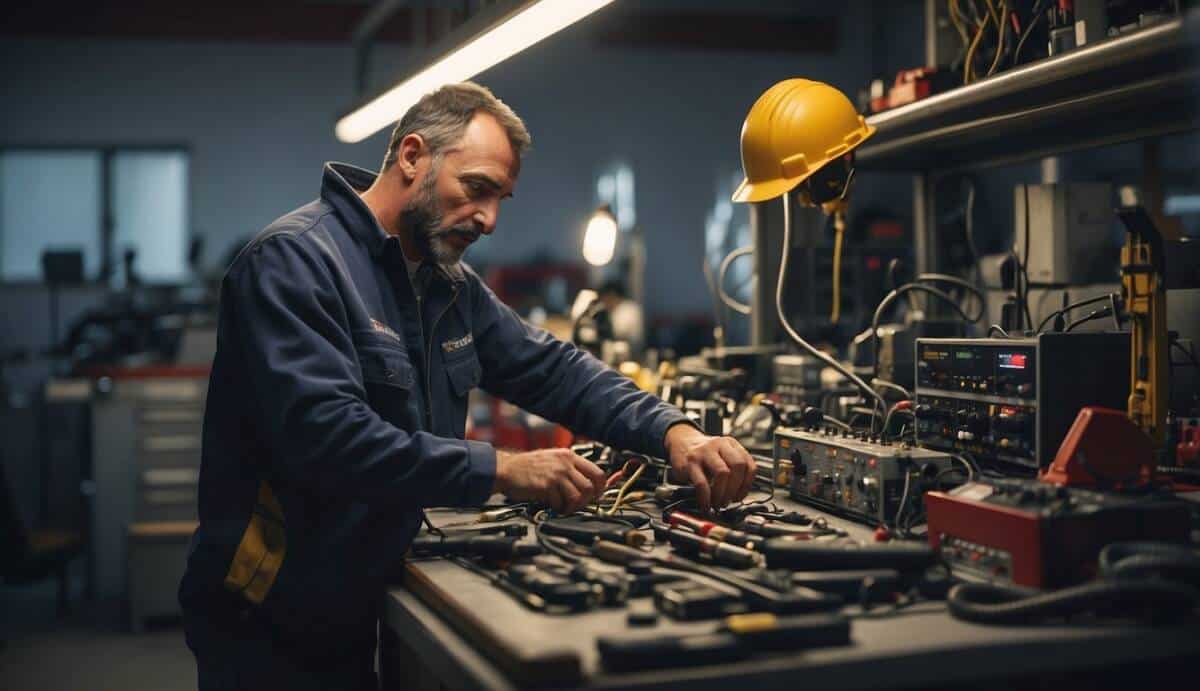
(87, 649)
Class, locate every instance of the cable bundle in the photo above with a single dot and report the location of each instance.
(1156, 582)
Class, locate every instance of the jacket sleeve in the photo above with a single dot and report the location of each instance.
(558, 381)
(293, 334)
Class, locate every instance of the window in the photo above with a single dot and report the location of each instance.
(149, 200)
(58, 199)
(49, 200)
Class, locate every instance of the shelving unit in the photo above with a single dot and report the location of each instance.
(1128, 88)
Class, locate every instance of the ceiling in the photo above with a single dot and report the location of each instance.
(694, 24)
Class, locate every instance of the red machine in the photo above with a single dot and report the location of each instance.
(1047, 533)
(1034, 534)
(1102, 449)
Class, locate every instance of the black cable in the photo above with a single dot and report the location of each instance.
(1112, 303)
(1147, 580)
(1074, 305)
(953, 280)
(969, 228)
(891, 297)
(1091, 316)
(549, 546)
(937, 480)
(887, 422)
(893, 282)
(1150, 559)
(1024, 264)
(994, 604)
(1190, 355)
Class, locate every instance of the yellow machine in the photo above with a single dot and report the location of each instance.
(1146, 302)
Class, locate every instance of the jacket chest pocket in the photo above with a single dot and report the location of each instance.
(388, 377)
(462, 368)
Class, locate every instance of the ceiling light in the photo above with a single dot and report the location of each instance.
(600, 238)
(495, 42)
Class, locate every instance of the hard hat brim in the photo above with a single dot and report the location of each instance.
(767, 189)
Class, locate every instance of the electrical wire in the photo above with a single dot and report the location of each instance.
(1091, 316)
(905, 393)
(969, 65)
(1112, 302)
(836, 422)
(966, 464)
(887, 422)
(712, 289)
(1024, 264)
(787, 327)
(1036, 16)
(957, 20)
(1147, 580)
(952, 280)
(730, 302)
(993, 604)
(625, 488)
(1190, 355)
(839, 230)
(969, 228)
(903, 498)
(910, 287)
(996, 328)
(1002, 32)
(1074, 305)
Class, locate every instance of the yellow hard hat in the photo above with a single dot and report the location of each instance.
(792, 130)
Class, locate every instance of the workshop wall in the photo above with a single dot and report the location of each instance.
(257, 119)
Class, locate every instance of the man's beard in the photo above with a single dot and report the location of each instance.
(424, 222)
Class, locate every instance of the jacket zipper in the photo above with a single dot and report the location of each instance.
(429, 358)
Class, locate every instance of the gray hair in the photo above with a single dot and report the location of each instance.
(441, 117)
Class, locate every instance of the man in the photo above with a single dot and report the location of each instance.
(350, 335)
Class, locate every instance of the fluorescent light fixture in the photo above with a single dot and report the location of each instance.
(527, 25)
(600, 238)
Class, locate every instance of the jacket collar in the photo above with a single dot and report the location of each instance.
(340, 185)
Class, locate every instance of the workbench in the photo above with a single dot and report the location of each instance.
(446, 627)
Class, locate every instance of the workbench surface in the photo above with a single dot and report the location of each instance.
(505, 645)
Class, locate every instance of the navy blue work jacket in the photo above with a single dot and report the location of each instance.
(337, 405)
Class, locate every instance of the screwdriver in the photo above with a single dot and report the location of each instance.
(713, 550)
(712, 530)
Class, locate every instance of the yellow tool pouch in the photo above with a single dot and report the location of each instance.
(260, 553)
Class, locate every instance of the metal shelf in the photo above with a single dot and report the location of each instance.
(1121, 89)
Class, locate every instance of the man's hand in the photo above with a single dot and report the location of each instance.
(556, 477)
(718, 467)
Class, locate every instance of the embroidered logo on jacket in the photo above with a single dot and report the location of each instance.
(457, 344)
(382, 328)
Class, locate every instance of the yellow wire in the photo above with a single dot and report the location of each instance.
(967, 64)
(956, 20)
(625, 487)
(839, 227)
(1001, 33)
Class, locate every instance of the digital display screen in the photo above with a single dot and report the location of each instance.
(1012, 360)
(964, 355)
